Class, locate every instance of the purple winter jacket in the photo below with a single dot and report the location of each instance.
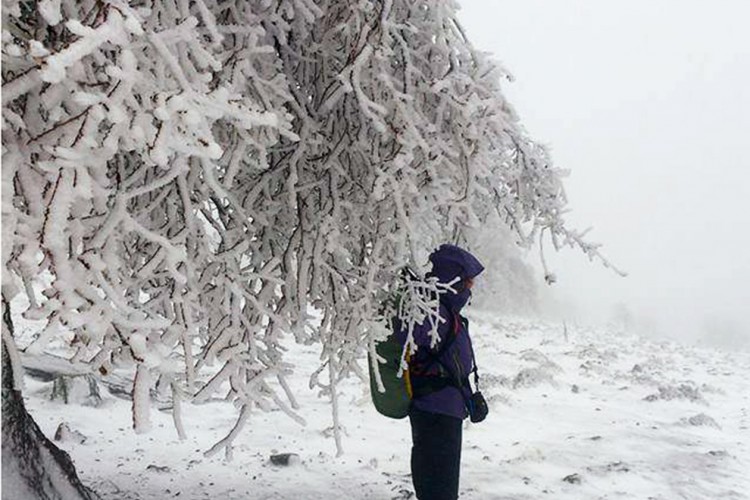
(448, 262)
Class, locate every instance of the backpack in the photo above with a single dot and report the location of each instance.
(395, 400)
(401, 388)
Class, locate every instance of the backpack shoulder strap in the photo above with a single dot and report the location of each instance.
(457, 321)
(446, 343)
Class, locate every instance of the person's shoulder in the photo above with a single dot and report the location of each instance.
(443, 311)
(448, 317)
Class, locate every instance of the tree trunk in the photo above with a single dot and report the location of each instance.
(32, 466)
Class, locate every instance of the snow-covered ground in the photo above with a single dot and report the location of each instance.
(595, 415)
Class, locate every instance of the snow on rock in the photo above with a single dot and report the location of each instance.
(686, 391)
(531, 377)
(700, 419)
(573, 479)
(284, 459)
(159, 469)
(534, 356)
(65, 434)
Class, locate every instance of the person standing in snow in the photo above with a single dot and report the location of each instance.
(440, 379)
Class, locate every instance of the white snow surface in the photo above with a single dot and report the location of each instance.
(618, 416)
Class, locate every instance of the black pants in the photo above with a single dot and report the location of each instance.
(435, 455)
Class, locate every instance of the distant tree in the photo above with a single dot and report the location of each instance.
(183, 180)
(622, 316)
(509, 284)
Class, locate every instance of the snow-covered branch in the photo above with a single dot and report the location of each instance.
(184, 180)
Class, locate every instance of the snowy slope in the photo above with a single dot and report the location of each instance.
(596, 415)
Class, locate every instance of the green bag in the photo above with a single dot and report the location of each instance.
(396, 399)
(394, 402)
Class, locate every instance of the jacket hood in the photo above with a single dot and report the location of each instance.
(450, 262)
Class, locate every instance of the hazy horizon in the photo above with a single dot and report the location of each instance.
(648, 106)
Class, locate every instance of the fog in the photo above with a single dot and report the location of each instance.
(648, 105)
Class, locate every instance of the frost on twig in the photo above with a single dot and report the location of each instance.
(184, 183)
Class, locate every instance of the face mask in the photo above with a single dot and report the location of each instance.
(459, 299)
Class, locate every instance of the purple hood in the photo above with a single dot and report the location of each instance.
(450, 262)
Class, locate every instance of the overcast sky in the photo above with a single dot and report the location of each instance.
(648, 104)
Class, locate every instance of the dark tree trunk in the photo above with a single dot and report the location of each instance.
(33, 467)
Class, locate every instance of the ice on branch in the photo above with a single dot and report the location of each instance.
(190, 185)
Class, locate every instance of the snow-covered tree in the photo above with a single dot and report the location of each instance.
(509, 284)
(185, 180)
